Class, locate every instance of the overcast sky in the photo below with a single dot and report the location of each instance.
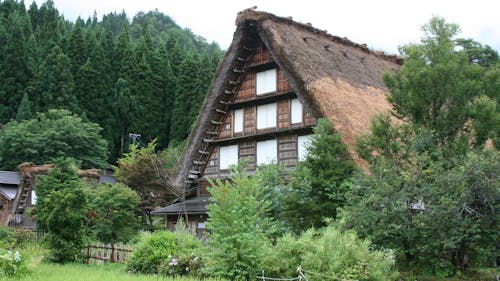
(381, 24)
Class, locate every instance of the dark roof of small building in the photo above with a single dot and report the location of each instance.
(191, 207)
(8, 192)
(107, 179)
(11, 178)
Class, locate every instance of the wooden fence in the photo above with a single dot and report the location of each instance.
(98, 253)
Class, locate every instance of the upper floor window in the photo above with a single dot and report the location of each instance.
(238, 120)
(266, 82)
(228, 156)
(303, 143)
(267, 152)
(266, 115)
(296, 111)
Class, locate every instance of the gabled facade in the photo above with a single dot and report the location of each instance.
(276, 79)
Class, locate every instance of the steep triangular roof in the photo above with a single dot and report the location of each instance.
(332, 76)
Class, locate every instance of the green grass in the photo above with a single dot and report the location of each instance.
(83, 272)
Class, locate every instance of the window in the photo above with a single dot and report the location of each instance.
(238, 120)
(296, 111)
(228, 156)
(33, 197)
(266, 116)
(266, 82)
(302, 143)
(267, 152)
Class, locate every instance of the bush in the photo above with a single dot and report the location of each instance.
(11, 263)
(329, 253)
(7, 237)
(240, 227)
(171, 253)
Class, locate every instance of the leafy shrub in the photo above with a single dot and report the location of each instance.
(7, 237)
(328, 253)
(240, 228)
(171, 253)
(11, 263)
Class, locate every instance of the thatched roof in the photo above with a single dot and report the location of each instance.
(332, 76)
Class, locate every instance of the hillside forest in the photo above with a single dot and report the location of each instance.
(127, 74)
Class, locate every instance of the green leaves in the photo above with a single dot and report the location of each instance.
(319, 183)
(57, 133)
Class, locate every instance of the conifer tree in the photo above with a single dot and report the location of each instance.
(24, 109)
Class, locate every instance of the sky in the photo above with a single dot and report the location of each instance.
(381, 24)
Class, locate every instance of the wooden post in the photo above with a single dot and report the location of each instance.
(88, 254)
(112, 258)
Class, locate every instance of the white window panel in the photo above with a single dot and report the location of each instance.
(267, 152)
(296, 109)
(228, 156)
(266, 82)
(266, 116)
(303, 143)
(33, 197)
(238, 120)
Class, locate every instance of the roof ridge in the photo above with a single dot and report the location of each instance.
(259, 16)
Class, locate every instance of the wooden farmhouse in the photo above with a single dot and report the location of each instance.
(274, 82)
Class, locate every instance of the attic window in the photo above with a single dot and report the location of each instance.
(266, 82)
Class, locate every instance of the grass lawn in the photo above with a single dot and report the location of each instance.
(83, 272)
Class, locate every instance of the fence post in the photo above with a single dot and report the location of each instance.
(112, 258)
(88, 254)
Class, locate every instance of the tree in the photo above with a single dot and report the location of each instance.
(113, 208)
(24, 109)
(319, 184)
(433, 187)
(61, 210)
(239, 225)
(437, 218)
(56, 133)
(437, 84)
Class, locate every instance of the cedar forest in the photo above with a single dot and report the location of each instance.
(128, 76)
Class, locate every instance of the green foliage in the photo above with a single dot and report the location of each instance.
(24, 109)
(7, 237)
(96, 68)
(437, 84)
(56, 133)
(166, 252)
(438, 218)
(239, 225)
(319, 184)
(12, 263)
(147, 171)
(329, 254)
(61, 209)
(112, 211)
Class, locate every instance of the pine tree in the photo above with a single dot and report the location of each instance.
(24, 109)
(77, 50)
(57, 83)
(186, 90)
(14, 74)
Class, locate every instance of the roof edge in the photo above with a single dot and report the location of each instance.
(250, 15)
